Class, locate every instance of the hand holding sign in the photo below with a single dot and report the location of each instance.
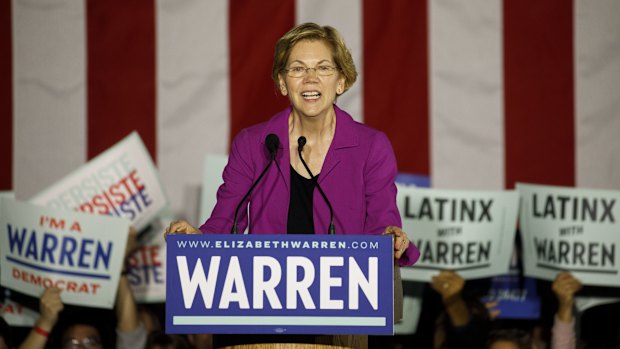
(50, 306)
(565, 286)
(448, 284)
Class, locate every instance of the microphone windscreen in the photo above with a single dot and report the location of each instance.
(301, 141)
(272, 142)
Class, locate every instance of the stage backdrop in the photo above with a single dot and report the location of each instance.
(476, 95)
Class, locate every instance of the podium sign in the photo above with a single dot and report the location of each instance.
(279, 284)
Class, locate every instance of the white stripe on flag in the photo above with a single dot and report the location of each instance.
(466, 94)
(49, 89)
(192, 94)
(597, 82)
(346, 17)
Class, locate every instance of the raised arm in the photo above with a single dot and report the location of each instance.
(130, 331)
(564, 286)
(50, 306)
(450, 285)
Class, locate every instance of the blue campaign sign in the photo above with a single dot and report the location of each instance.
(272, 284)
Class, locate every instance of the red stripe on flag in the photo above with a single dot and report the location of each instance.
(6, 97)
(396, 91)
(539, 97)
(254, 28)
(121, 73)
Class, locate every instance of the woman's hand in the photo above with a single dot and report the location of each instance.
(180, 227)
(401, 242)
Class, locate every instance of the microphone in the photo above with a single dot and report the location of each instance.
(301, 141)
(271, 142)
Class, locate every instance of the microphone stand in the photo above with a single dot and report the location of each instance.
(301, 142)
(271, 142)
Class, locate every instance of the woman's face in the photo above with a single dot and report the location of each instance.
(313, 93)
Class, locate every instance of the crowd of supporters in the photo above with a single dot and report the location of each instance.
(453, 317)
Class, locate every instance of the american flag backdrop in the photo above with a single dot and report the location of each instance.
(475, 94)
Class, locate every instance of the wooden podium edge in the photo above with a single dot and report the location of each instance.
(284, 346)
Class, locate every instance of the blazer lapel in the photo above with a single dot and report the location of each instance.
(344, 137)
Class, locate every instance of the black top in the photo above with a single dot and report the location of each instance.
(300, 215)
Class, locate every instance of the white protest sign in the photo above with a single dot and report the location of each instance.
(121, 182)
(147, 266)
(470, 232)
(571, 229)
(82, 254)
(16, 314)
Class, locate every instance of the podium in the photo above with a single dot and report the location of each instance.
(274, 291)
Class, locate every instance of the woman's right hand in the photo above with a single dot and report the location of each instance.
(180, 227)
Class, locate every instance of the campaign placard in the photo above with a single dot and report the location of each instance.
(280, 284)
(16, 314)
(512, 296)
(120, 182)
(82, 254)
(147, 265)
(470, 232)
(571, 229)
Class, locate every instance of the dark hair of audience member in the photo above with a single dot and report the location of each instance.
(102, 320)
(149, 317)
(519, 337)
(160, 340)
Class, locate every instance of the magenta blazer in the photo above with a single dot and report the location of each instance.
(357, 176)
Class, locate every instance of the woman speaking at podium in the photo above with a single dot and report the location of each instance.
(311, 168)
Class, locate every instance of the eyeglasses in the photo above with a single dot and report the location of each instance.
(86, 343)
(299, 71)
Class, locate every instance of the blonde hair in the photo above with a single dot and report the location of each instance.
(312, 31)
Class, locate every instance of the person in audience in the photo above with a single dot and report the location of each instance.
(600, 326)
(160, 340)
(509, 339)
(50, 306)
(466, 327)
(201, 340)
(149, 319)
(87, 328)
(465, 323)
(81, 335)
(130, 330)
(564, 286)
